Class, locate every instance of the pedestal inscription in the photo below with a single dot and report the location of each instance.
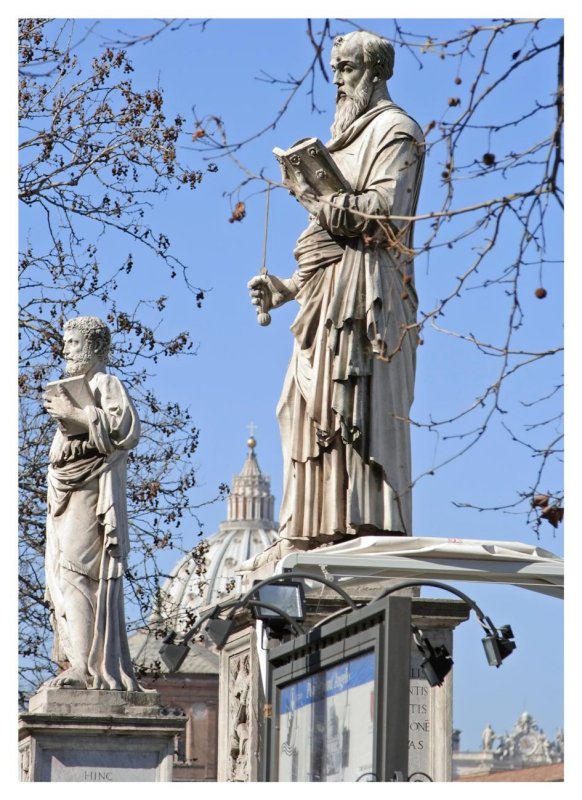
(90, 736)
(419, 720)
(97, 762)
(430, 716)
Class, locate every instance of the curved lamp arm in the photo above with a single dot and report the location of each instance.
(241, 601)
(501, 638)
(483, 619)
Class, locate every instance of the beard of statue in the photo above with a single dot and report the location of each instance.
(80, 364)
(350, 108)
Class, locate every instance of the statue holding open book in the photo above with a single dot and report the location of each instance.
(87, 540)
(344, 409)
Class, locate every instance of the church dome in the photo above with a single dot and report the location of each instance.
(207, 574)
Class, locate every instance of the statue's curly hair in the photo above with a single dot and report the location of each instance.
(378, 52)
(96, 333)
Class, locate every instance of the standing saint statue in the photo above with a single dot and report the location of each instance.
(87, 534)
(344, 409)
(488, 738)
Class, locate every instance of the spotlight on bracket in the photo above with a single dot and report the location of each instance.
(286, 595)
(437, 663)
(173, 655)
(219, 630)
(498, 642)
(499, 645)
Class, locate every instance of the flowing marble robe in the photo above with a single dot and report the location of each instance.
(344, 409)
(87, 532)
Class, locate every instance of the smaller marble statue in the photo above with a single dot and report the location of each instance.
(559, 741)
(487, 738)
(545, 747)
(525, 723)
(87, 540)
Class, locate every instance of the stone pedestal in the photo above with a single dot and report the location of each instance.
(96, 736)
(242, 701)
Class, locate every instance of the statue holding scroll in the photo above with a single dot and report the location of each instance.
(87, 534)
(344, 409)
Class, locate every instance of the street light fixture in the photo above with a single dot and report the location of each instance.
(281, 609)
(499, 646)
(498, 642)
(173, 654)
(285, 595)
(279, 602)
(219, 630)
(437, 663)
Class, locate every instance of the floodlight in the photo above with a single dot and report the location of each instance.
(499, 645)
(286, 596)
(219, 630)
(437, 663)
(173, 655)
(279, 602)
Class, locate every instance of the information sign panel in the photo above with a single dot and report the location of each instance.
(326, 728)
(337, 709)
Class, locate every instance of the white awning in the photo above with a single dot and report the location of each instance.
(431, 558)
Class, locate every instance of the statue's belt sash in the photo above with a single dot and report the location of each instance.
(76, 474)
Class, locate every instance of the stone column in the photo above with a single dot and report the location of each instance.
(241, 706)
(96, 736)
(430, 743)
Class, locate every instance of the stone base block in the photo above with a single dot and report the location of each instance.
(96, 736)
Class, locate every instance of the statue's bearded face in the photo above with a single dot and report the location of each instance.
(79, 355)
(354, 83)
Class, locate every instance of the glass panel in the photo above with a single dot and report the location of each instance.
(287, 598)
(326, 724)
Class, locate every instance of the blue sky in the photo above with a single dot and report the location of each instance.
(237, 374)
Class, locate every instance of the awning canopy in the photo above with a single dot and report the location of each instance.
(431, 558)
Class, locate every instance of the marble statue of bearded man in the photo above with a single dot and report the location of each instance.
(344, 409)
(87, 534)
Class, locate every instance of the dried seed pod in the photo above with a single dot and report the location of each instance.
(540, 500)
(239, 212)
(554, 515)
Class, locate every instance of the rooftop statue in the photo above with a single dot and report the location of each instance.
(487, 738)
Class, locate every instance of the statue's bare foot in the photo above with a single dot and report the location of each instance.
(70, 679)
